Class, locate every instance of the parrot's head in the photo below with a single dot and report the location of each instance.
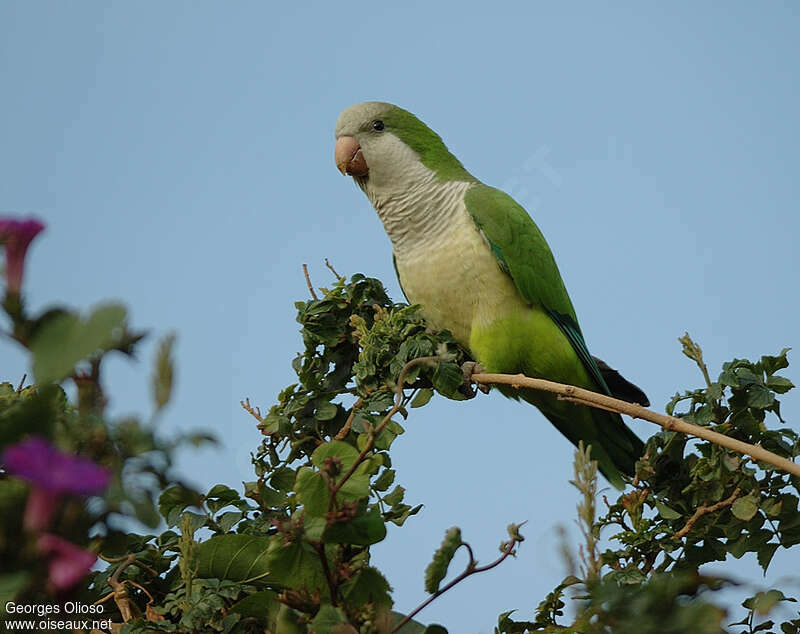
(387, 149)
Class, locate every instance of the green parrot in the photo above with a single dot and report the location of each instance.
(478, 266)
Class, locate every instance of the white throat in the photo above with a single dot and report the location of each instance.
(414, 207)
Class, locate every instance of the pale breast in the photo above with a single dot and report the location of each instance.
(457, 280)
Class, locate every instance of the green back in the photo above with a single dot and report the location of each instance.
(425, 142)
(523, 253)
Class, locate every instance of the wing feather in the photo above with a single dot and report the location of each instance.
(523, 253)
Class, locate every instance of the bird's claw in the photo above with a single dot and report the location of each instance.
(469, 368)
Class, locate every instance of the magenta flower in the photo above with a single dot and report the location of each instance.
(53, 473)
(68, 563)
(17, 235)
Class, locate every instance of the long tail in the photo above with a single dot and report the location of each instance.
(613, 445)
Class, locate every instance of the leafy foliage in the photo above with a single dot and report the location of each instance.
(290, 551)
(692, 502)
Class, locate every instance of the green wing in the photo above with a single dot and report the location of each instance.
(397, 275)
(523, 253)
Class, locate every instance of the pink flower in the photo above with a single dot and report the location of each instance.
(68, 563)
(16, 235)
(53, 473)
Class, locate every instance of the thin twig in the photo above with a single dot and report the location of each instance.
(670, 423)
(471, 569)
(333, 270)
(255, 412)
(705, 510)
(320, 548)
(21, 383)
(308, 282)
(346, 427)
(128, 562)
(398, 405)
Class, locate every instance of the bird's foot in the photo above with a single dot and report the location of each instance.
(469, 368)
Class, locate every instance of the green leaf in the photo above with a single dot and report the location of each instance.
(11, 585)
(326, 411)
(288, 621)
(312, 491)
(772, 507)
(367, 586)
(773, 364)
(759, 397)
(763, 602)
(283, 479)
(437, 569)
(234, 557)
(362, 530)
(422, 398)
(447, 378)
(345, 452)
(329, 619)
(666, 512)
(765, 554)
(174, 499)
(259, 605)
(66, 339)
(228, 520)
(395, 497)
(779, 384)
(745, 508)
(296, 565)
(384, 480)
(164, 372)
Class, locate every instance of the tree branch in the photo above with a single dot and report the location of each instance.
(398, 405)
(308, 282)
(705, 510)
(670, 423)
(471, 569)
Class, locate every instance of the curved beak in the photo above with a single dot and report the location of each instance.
(349, 157)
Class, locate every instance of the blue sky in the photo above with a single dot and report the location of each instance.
(181, 155)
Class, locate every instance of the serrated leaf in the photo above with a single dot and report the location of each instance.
(759, 397)
(447, 378)
(395, 497)
(779, 384)
(773, 364)
(437, 569)
(384, 480)
(368, 585)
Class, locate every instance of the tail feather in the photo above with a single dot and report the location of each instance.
(613, 445)
(619, 386)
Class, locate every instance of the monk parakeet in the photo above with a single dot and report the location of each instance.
(479, 267)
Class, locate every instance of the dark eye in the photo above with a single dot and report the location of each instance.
(377, 125)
